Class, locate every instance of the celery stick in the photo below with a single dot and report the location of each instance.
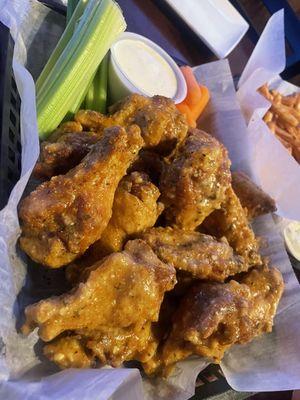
(64, 40)
(72, 4)
(97, 94)
(68, 80)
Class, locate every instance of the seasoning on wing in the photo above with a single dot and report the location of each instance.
(135, 209)
(59, 157)
(203, 256)
(214, 316)
(195, 180)
(65, 215)
(110, 314)
(162, 127)
(252, 197)
(231, 221)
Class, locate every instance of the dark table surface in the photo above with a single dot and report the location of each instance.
(153, 19)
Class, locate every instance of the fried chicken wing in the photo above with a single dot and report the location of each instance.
(65, 127)
(64, 216)
(59, 157)
(252, 197)
(231, 222)
(69, 352)
(161, 124)
(195, 180)
(203, 256)
(213, 316)
(110, 313)
(135, 209)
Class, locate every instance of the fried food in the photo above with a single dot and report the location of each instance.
(110, 311)
(283, 119)
(69, 352)
(135, 209)
(203, 256)
(195, 180)
(231, 222)
(161, 124)
(252, 197)
(59, 157)
(63, 217)
(213, 316)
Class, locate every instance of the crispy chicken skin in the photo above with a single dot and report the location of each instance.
(203, 256)
(59, 157)
(135, 209)
(252, 198)
(195, 180)
(64, 216)
(69, 352)
(213, 316)
(162, 127)
(161, 124)
(231, 221)
(110, 311)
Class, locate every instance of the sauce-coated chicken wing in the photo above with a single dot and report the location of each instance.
(64, 216)
(110, 313)
(203, 256)
(231, 221)
(214, 316)
(195, 180)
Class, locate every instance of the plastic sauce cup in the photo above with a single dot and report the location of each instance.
(122, 83)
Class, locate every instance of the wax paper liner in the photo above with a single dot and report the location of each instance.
(274, 169)
(22, 373)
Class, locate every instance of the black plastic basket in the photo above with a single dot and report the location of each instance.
(211, 381)
(10, 143)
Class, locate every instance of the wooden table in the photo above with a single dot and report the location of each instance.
(154, 20)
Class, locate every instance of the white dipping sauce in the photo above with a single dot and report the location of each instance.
(146, 69)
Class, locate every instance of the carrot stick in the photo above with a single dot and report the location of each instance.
(198, 108)
(185, 110)
(193, 90)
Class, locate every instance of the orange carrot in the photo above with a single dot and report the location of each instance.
(193, 89)
(198, 108)
(185, 110)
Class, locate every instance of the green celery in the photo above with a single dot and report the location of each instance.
(96, 97)
(72, 4)
(67, 82)
(64, 40)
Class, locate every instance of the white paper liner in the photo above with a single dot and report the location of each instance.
(269, 354)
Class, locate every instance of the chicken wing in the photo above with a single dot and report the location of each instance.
(231, 222)
(64, 216)
(213, 316)
(135, 209)
(203, 256)
(59, 157)
(110, 314)
(162, 127)
(195, 180)
(252, 197)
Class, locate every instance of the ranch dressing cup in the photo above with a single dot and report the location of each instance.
(138, 65)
